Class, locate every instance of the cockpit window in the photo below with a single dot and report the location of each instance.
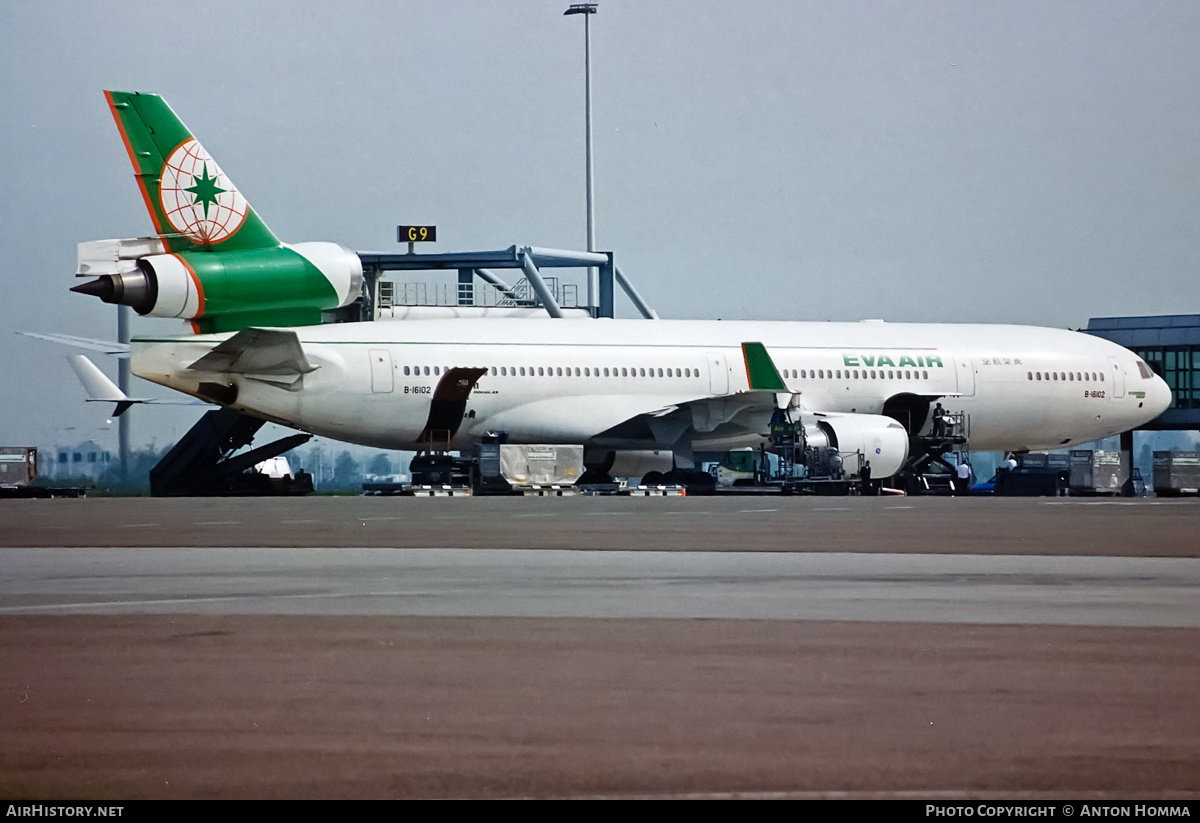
(1144, 370)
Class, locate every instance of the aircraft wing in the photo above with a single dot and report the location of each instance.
(269, 355)
(716, 419)
(104, 346)
(728, 421)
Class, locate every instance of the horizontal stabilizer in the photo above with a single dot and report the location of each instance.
(100, 389)
(268, 355)
(95, 382)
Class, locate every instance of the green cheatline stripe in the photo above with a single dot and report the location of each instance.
(760, 369)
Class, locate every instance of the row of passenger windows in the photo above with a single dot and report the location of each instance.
(587, 371)
(559, 371)
(1067, 376)
(854, 374)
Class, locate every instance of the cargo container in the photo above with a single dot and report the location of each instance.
(1176, 473)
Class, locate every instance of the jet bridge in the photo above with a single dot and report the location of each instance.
(529, 260)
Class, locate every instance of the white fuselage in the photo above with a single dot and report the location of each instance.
(559, 381)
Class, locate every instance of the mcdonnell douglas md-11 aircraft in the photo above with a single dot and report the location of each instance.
(865, 388)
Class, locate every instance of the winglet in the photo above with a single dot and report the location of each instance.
(760, 369)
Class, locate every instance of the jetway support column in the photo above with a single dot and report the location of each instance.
(642, 305)
(605, 307)
(494, 281)
(1127, 463)
(539, 285)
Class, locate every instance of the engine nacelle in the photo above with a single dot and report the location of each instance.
(229, 290)
(879, 439)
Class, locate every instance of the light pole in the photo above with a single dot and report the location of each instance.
(587, 10)
(123, 384)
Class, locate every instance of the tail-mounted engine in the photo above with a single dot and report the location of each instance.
(285, 285)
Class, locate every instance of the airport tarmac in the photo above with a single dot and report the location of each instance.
(567, 647)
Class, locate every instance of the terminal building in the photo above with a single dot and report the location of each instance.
(1170, 344)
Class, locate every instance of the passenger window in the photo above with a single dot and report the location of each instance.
(406, 370)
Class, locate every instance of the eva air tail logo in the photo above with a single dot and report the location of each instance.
(198, 199)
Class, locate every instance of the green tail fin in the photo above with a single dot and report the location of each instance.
(189, 198)
(760, 369)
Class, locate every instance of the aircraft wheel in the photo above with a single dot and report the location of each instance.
(699, 482)
(654, 479)
(593, 477)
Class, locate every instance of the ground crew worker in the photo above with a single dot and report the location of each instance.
(964, 478)
(939, 421)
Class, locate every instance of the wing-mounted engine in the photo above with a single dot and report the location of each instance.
(834, 446)
(858, 438)
(827, 444)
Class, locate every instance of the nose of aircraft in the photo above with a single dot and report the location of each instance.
(1158, 398)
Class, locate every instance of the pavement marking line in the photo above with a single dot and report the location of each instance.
(136, 525)
(755, 511)
(218, 523)
(1108, 502)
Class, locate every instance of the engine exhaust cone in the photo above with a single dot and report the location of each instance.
(101, 287)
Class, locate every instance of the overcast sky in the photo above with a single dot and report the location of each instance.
(1024, 162)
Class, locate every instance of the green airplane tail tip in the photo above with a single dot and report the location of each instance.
(190, 200)
(760, 369)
